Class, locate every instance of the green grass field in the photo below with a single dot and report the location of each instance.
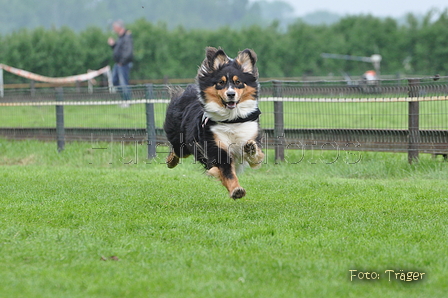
(378, 115)
(83, 223)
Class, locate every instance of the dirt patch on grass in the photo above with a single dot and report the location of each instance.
(28, 160)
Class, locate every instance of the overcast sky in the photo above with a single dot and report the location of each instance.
(393, 8)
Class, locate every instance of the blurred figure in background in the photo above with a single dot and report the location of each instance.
(122, 54)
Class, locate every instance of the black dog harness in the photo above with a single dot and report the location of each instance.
(251, 117)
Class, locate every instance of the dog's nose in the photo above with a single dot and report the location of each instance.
(230, 94)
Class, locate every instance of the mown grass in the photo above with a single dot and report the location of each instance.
(83, 223)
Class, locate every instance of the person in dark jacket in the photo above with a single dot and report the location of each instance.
(122, 54)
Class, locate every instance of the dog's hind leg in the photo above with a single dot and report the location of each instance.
(178, 151)
(226, 173)
(172, 160)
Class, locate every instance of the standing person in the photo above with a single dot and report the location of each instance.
(123, 54)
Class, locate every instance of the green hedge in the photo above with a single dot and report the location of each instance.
(414, 48)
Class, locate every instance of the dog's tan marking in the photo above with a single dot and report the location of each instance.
(221, 144)
(213, 95)
(214, 172)
(248, 93)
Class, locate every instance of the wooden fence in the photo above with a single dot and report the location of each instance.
(284, 103)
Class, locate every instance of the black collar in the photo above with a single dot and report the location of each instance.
(251, 117)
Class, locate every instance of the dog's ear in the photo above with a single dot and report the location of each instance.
(247, 59)
(214, 59)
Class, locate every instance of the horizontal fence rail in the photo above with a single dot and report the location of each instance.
(386, 115)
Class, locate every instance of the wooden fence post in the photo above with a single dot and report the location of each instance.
(78, 86)
(2, 90)
(413, 121)
(32, 88)
(150, 122)
(279, 126)
(60, 130)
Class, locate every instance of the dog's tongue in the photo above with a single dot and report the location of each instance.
(231, 105)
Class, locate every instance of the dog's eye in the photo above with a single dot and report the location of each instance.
(237, 82)
(221, 83)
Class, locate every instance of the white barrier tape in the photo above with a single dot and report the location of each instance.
(70, 79)
(83, 103)
(342, 100)
(268, 99)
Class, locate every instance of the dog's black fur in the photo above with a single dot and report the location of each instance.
(216, 119)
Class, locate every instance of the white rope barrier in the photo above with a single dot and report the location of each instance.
(63, 80)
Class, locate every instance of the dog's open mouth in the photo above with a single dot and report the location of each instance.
(230, 104)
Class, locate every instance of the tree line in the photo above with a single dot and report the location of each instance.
(418, 47)
(79, 14)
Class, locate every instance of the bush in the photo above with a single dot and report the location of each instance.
(176, 53)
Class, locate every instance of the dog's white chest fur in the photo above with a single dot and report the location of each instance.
(233, 136)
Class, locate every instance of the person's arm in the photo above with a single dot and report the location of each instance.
(111, 42)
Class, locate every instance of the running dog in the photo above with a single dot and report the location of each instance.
(216, 119)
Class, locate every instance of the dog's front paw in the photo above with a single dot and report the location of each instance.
(238, 193)
(253, 154)
(251, 147)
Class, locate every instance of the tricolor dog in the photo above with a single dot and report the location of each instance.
(216, 119)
